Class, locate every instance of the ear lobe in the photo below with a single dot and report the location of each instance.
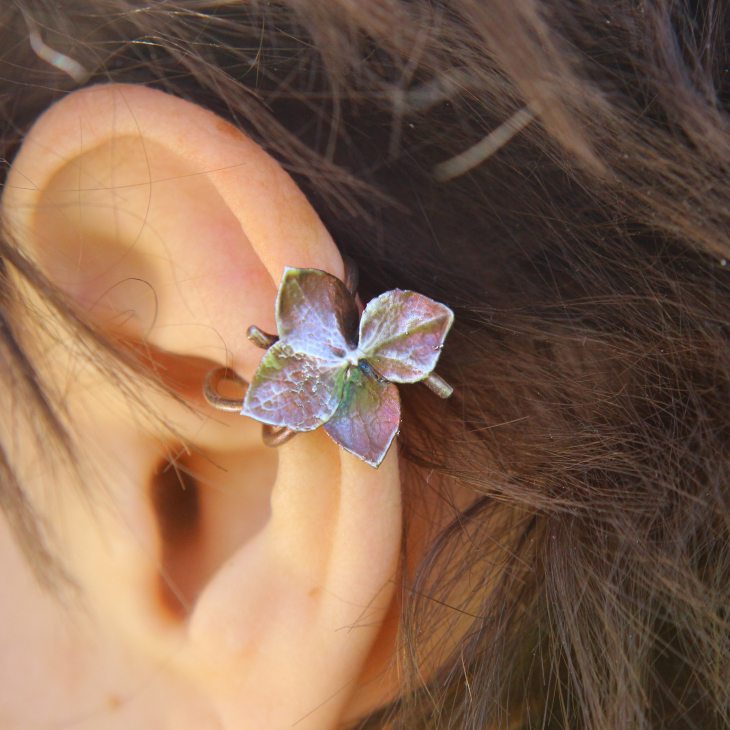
(117, 186)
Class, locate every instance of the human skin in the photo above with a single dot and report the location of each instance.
(286, 613)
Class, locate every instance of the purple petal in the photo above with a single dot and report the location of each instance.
(316, 313)
(294, 389)
(368, 418)
(402, 333)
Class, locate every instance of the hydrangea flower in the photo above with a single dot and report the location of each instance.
(325, 370)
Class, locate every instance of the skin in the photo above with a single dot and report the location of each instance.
(171, 228)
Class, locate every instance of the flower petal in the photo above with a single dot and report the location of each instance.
(294, 389)
(368, 418)
(316, 313)
(401, 334)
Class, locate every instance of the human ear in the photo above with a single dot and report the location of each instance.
(167, 225)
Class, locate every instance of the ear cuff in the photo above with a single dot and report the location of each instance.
(269, 435)
(331, 367)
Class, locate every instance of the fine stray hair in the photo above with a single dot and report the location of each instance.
(587, 585)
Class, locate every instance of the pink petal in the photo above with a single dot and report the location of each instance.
(294, 389)
(316, 313)
(402, 333)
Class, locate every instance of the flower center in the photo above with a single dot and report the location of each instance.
(353, 357)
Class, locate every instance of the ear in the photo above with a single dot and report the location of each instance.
(168, 224)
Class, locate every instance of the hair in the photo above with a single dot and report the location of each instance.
(556, 171)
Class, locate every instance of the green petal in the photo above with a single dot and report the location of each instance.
(368, 417)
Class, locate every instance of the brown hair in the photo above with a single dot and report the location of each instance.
(586, 262)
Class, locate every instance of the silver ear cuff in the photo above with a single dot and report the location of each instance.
(331, 367)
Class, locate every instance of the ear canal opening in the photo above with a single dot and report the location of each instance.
(175, 498)
(207, 505)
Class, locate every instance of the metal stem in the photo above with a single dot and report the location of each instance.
(260, 338)
(274, 437)
(352, 274)
(214, 398)
(438, 385)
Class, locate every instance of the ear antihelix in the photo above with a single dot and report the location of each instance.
(300, 607)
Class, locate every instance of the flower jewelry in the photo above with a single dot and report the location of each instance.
(324, 370)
